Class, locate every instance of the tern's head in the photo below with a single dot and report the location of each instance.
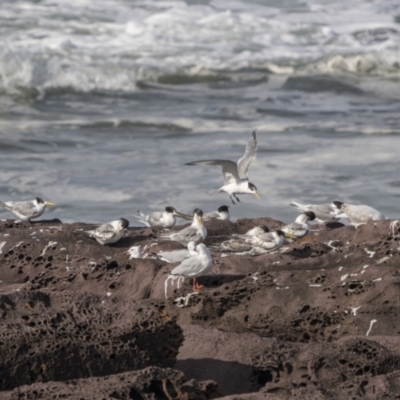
(191, 247)
(170, 210)
(198, 216)
(337, 204)
(253, 189)
(280, 233)
(223, 209)
(120, 224)
(310, 215)
(41, 203)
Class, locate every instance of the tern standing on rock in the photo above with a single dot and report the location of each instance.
(196, 232)
(324, 213)
(236, 174)
(358, 214)
(27, 210)
(194, 266)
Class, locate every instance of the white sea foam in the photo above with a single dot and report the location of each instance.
(111, 45)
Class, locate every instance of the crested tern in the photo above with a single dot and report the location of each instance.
(300, 227)
(110, 232)
(236, 174)
(324, 213)
(260, 242)
(222, 213)
(194, 266)
(358, 213)
(196, 232)
(176, 256)
(27, 210)
(165, 219)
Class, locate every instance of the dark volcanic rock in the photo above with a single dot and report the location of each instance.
(318, 319)
(148, 384)
(62, 336)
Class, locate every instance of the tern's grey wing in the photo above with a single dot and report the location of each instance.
(192, 266)
(187, 235)
(105, 232)
(155, 218)
(210, 215)
(229, 169)
(235, 245)
(22, 207)
(174, 255)
(249, 156)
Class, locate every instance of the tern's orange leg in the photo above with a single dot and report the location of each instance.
(196, 286)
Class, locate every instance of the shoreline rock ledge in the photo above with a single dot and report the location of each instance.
(318, 319)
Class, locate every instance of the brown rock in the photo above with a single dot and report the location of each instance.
(147, 384)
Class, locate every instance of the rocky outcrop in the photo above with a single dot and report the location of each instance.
(316, 319)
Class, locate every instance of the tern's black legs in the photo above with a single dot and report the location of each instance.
(233, 195)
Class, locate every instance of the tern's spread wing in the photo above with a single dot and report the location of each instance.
(229, 169)
(249, 156)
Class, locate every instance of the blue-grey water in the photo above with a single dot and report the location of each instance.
(102, 102)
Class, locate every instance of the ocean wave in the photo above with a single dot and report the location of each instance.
(115, 46)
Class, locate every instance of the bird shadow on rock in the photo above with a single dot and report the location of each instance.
(214, 281)
(333, 225)
(232, 377)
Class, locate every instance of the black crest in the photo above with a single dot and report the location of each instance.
(124, 222)
(338, 204)
(223, 208)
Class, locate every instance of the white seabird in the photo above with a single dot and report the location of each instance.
(300, 227)
(196, 232)
(176, 256)
(236, 174)
(324, 213)
(194, 266)
(164, 219)
(110, 232)
(27, 210)
(358, 213)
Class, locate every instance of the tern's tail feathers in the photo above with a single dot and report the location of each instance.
(141, 218)
(297, 205)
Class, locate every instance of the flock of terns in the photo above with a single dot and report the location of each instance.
(196, 259)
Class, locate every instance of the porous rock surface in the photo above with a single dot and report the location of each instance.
(317, 319)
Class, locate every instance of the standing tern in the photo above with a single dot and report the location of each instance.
(165, 219)
(324, 213)
(176, 256)
(110, 232)
(196, 232)
(27, 210)
(222, 214)
(194, 266)
(236, 174)
(358, 214)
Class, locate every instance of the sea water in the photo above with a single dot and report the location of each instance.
(103, 102)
